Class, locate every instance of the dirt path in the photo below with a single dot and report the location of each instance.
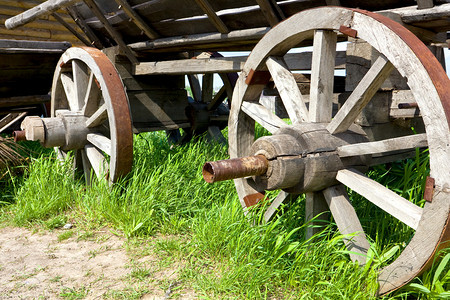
(38, 266)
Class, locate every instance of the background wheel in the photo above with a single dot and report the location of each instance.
(207, 112)
(314, 129)
(88, 92)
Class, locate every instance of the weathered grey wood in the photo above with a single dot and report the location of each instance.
(395, 144)
(97, 161)
(348, 223)
(430, 18)
(92, 97)
(46, 7)
(281, 198)
(10, 119)
(100, 141)
(137, 19)
(271, 15)
(95, 41)
(397, 206)
(362, 94)
(113, 32)
(429, 85)
(423, 246)
(315, 208)
(71, 29)
(80, 82)
(421, 4)
(97, 118)
(295, 62)
(263, 116)
(207, 88)
(201, 39)
(87, 167)
(217, 22)
(322, 76)
(69, 90)
(288, 89)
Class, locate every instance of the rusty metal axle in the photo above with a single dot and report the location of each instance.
(221, 170)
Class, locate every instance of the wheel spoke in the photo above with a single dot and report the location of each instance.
(207, 88)
(218, 98)
(397, 206)
(315, 208)
(263, 116)
(100, 141)
(92, 97)
(97, 160)
(364, 91)
(288, 90)
(87, 167)
(70, 91)
(196, 90)
(322, 76)
(98, 117)
(347, 222)
(279, 199)
(80, 80)
(394, 144)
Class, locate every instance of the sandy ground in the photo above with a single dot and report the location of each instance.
(38, 266)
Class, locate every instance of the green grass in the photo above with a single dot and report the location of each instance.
(223, 255)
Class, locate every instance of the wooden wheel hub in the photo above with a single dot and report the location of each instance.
(67, 130)
(306, 149)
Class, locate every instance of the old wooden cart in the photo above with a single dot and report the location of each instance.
(339, 126)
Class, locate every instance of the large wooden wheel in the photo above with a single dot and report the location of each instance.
(318, 154)
(88, 95)
(207, 112)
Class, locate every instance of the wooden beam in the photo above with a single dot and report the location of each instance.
(43, 9)
(271, 15)
(10, 119)
(213, 17)
(114, 33)
(295, 62)
(71, 29)
(421, 4)
(95, 41)
(126, 7)
(253, 34)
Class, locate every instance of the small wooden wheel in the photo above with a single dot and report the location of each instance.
(318, 154)
(88, 94)
(207, 111)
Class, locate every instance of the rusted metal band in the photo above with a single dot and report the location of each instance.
(121, 112)
(348, 31)
(429, 189)
(253, 199)
(235, 168)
